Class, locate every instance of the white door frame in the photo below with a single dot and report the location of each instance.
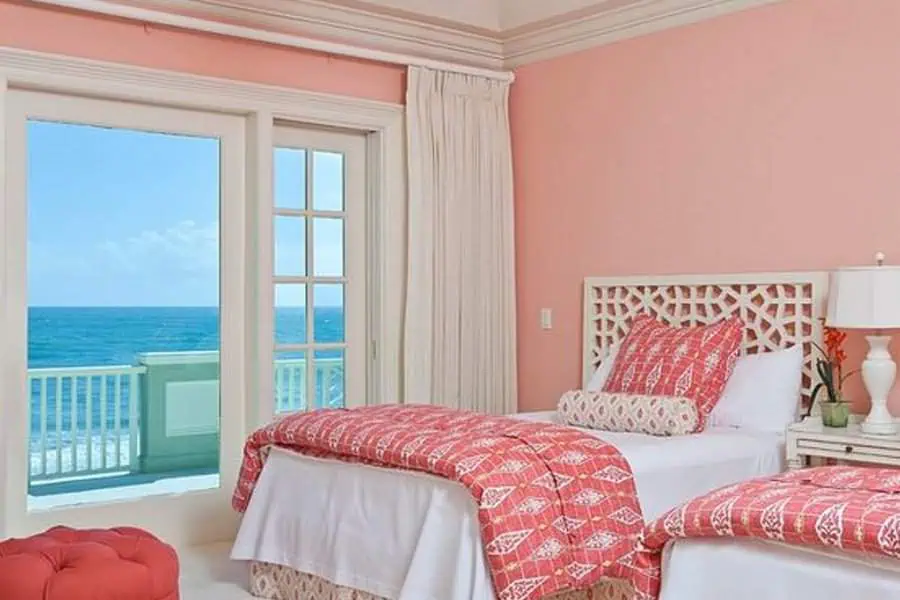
(260, 106)
(355, 240)
(179, 513)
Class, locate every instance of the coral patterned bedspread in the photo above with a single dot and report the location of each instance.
(856, 509)
(557, 507)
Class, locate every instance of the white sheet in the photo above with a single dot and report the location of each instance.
(408, 536)
(756, 570)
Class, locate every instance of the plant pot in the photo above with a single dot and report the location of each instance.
(835, 414)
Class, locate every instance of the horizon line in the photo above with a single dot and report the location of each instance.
(161, 306)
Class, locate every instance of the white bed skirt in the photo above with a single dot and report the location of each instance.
(718, 569)
(276, 582)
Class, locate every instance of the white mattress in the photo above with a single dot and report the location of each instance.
(408, 536)
(757, 570)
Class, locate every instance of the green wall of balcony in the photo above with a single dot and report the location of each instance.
(179, 413)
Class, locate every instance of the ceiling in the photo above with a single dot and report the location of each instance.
(485, 33)
(489, 15)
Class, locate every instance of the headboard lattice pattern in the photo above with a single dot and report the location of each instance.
(780, 310)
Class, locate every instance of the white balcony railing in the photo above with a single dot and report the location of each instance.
(85, 421)
(290, 384)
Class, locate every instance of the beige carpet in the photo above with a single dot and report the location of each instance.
(208, 574)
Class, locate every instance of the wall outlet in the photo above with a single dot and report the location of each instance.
(546, 318)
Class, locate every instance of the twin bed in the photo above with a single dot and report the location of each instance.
(371, 533)
(411, 536)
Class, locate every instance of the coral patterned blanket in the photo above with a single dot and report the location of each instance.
(850, 508)
(557, 507)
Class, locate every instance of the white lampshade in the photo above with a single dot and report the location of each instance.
(864, 298)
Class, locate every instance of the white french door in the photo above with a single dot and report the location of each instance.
(319, 269)
(123, 316)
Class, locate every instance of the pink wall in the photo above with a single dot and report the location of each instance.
(61, 32)
(761, 141)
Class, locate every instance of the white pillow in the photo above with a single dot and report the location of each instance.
(763, 392)
(598, 379)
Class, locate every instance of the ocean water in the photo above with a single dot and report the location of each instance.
(110, 336)
(104, 336)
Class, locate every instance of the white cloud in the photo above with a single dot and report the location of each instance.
(185, 246)
(174, 266)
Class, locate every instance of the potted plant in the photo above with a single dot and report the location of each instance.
(830, 367)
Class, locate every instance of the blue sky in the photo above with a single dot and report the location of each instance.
(126, 218)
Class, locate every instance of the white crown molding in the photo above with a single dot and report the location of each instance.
(543, 41)
(378, 30)
(383, 35)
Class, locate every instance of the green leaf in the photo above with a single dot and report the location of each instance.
(825, 371)
(816, 391)
(820, 349)
(850, 374)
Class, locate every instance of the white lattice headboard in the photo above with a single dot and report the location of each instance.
(780, 310)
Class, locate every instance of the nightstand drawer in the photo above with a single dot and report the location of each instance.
(859, 449)
(809, 439)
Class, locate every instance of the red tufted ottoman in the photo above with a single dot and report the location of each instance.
(93, 564)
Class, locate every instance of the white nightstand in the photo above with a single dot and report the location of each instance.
(810, 438)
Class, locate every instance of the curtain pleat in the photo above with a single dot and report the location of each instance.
(459, 326)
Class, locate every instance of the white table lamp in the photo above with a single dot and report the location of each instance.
(869, 298)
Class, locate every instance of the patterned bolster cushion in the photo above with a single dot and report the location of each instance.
(632, 413)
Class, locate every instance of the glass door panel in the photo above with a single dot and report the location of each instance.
(333, 278)
(125, 272)
(123, 311)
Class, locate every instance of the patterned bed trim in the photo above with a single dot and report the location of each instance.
(277, 582)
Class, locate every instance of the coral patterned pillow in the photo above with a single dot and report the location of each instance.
(684, 362)
(653, 415)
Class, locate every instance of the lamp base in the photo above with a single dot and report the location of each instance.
(878, 373)
(878, 428)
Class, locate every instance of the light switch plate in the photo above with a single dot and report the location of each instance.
(546, 318)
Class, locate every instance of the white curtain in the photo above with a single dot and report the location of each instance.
(459, 330)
